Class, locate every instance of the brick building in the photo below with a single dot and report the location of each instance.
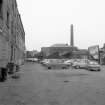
(12, 35)
(57, 50)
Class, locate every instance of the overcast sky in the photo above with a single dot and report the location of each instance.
(47, 22)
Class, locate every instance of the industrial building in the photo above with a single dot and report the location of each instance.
(60, 50)
(57, 50)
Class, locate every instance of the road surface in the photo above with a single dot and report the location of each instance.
(39, 86)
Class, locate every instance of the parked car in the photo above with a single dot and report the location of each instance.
(29, 59)
(80, 64)
(44, 61)
(56, 63)
(69, 62)
(93, 66)
(35, 59)
(87, 64)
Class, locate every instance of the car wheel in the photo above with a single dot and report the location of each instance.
(63, 67)
(49, 67)
(77, 67)
(91, 70)
(98, 70)
(74, 67)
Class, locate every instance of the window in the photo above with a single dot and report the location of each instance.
(1, 3)
(7, 19)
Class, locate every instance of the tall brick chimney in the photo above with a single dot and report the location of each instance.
(71, 36)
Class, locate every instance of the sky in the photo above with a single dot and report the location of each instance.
(47, 22)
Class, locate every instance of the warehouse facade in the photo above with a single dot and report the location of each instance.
(12, 35)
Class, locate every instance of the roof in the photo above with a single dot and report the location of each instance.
(60, 45)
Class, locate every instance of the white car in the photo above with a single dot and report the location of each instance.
(56, 63)
(93, 66)
(69, 62)
(87, 64)
(80, 64)
(44, 61)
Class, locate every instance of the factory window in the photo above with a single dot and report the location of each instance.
(1, 2)
(7, 19)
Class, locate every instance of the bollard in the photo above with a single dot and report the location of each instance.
(3, 74)
(10, 67)
(17, 68)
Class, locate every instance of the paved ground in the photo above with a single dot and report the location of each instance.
(39, 86)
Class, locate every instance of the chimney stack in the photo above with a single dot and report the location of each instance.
(71, 36)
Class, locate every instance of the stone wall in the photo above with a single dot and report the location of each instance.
(11, 31)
